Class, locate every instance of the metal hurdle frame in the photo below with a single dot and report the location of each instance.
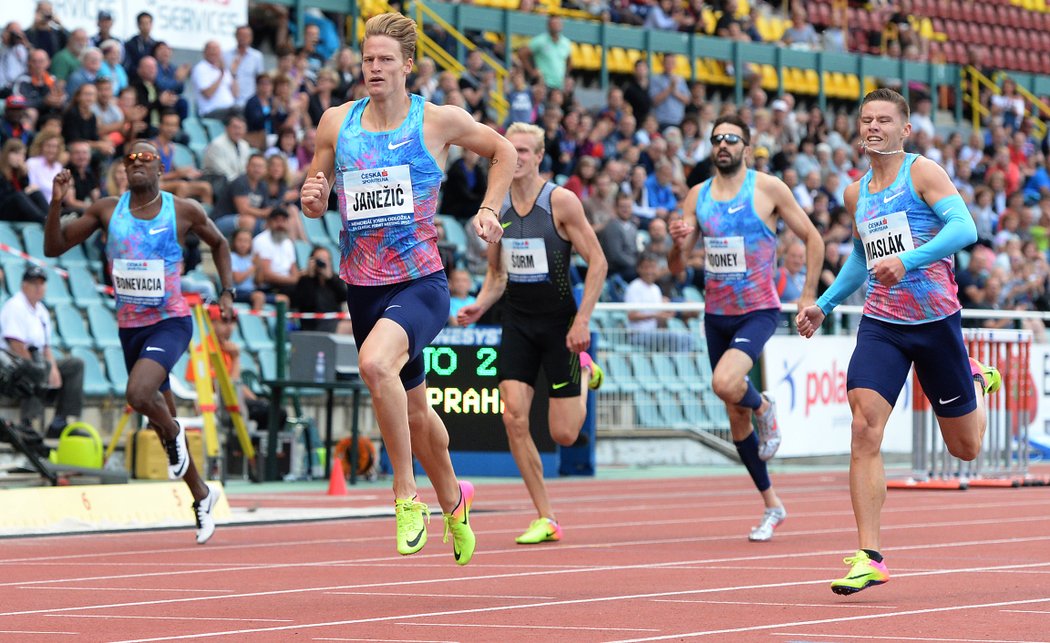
(1003, 461)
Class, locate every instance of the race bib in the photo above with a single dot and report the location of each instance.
(725, 257)
(525, 260)
(139, 282)
(886, 236)
(378, 198)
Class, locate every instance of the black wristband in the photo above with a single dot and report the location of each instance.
(233, 293)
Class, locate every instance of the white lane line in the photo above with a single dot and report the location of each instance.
(905, 638)
(332, 638)
(529, 626)
(532, 597)
(582, 601)
(52, 588)
(37, 632)
(161, 617)
(842, 619)
(839, 605)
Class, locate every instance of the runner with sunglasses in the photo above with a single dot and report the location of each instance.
(144, 232)
(736, 211)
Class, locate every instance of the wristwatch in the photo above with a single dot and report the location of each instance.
(233, 293)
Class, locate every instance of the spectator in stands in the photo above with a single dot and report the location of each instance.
(665, 15)
(216, 87)
(25, 325)
(460, 283)
(243, 205)
(1010, 103)
(728, 19)
(86, 183)
(287, 144)
(67, 60)
(324, 97)
(582, 181)
(320, 290)
(19, 201)
(645, 324)
(87, 72)
(347, 67)
(40, 89)
(44, 162)
(116, 180)
(46, 33)
(112, 67)
(171, 78)
(109, 118)
(141, 44)
(79, 123)
(660, 191)
(135, 125)
(289, 107)
(149, 94)
(258, 113)
(276, 272)
(227, 156)
(245, 63)
(305, 152)
(790, 277)
(184, 181)
(801, 34)
(14, 54)
(669, 93)
(619, 239)
(601, 203)
(280, 192)
(243, 266)
(637, 92)
(464, 187)
(16, 124)
(424, 83)
(547, 57)
(105, 27)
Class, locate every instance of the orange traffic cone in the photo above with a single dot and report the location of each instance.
(337, 481)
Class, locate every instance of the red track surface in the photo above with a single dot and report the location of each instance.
(658, 559)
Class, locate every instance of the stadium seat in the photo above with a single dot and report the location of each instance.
(84, 289)
(666, 373)
(184, 156)
(454, 232)
(103, 326)
(333, 222)
(116, 369)
(33, 238)
(96, 384)
(10, 237)
(214, 127)
(316, 232)
(197, 134)
(644, 373)
(671, 410)
(76, 258)
(57, 290)
(255, 332)
(646, 410)
(71, 328)
(302, 253)
(618, 375)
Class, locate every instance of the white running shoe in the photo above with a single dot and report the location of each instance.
(768, 431)
(178, 454)
(202, 510)
(770, 520)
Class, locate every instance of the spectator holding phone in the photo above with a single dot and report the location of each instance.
(320, 290)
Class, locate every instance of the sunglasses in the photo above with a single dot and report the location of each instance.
(145, 157)
(732, 139)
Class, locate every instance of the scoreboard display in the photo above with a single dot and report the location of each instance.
(462, 387)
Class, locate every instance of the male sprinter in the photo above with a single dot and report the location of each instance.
(144, 232)
(386, 153)
(737, 210)
(543, 224)
(908, 222)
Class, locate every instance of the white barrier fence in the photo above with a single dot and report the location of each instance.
(662, 380)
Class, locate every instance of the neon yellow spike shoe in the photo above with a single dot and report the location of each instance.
(597, 374)
(458, 524)
(411, 530)
(990, 376)
(863, 573)
(541, 530)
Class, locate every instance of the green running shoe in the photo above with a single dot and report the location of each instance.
(411, 530)
(863, 573)
(990, 374)
(541, 530)
(597, 374)
(458, 524)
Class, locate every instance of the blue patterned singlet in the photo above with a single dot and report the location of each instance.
(388, 185)
(740, 252)
(889, 222)
(145, 260)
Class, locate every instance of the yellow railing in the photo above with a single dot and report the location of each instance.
(1033, 105)
(498, 97)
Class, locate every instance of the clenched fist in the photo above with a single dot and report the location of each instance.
(314, 195)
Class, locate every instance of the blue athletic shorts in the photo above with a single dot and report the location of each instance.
(163, 342)
(748, 332)
(420, 306)
(885, 353)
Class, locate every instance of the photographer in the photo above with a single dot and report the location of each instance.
(25, 325)
(14, 56)
(320, 290)
(47, 32)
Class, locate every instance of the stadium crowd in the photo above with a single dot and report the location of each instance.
(75, 100)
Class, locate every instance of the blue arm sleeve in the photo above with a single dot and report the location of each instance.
(958, 232)
(852, 276)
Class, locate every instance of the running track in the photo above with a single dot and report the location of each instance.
(644, 560)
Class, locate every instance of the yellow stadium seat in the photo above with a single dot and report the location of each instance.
(870, 85)
(810, 82)
(683, 68)
(743, 8)
(709, 18)
(764, 28)
(592, 57)
(618, 62)
(770, 81)
(703, 72)
(792, 80)
(830, 88)
(852, 90)
(717, 69)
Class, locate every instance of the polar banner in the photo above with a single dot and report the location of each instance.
(183, 24)
(808, 379)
